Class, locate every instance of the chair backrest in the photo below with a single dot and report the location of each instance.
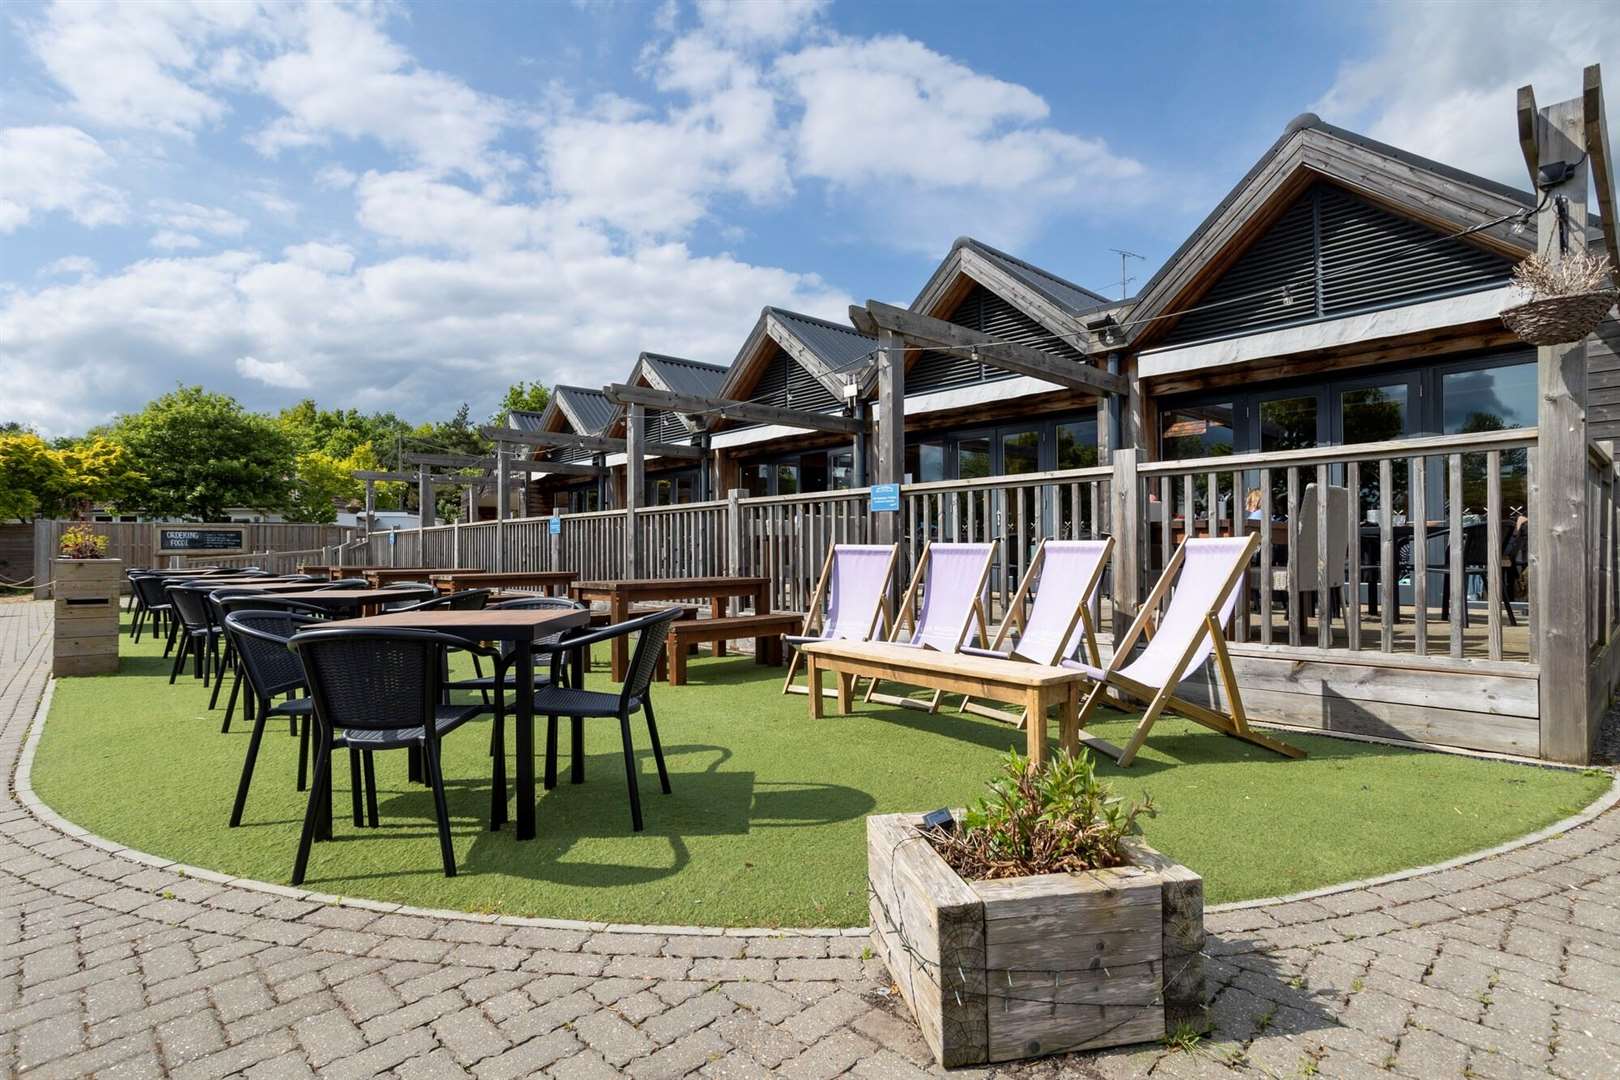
(954, 579)
(272, 602)
(1070, 571)
(373, 680)
(190, 604)
(260, 639)
(1305, 541)
(466, 600)
(149, 590)
(1208, 580)
(541, 603)
(860, 576)
(653, 630)
(346, 583)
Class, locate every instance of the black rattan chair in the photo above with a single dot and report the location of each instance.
(198, 634)
(345, 583)
(152, 605)
(271, 670)
(634, 694)
(381, 689)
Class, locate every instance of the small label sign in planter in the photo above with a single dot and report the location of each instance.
(86, 626)
(1021, 967)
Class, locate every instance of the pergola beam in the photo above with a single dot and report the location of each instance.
(1527, 135)
(387, 477)
(594, 443)
(451, 461)
(925, 331)
(1597, 150)
(749, 411)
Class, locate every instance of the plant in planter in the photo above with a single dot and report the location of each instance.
(1566, 299)
(85, 587)
(1038, 922)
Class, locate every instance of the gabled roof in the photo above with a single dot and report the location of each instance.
(1078, 299)
(1438, 195)
(838, 346)
(527, 419)
(586, 411)
(831, 353)
(681, 376)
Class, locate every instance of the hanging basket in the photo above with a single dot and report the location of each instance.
(1557, 320)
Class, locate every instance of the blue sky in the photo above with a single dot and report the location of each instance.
(407, 206)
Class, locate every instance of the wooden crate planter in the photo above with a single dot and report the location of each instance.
(1021, 967)
(86, 592)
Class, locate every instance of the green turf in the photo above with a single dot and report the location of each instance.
(766, 823)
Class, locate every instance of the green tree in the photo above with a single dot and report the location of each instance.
(339, 432)
(36, 478)
(27, 471)
(321, 482)
(201, 452)
(524, 397)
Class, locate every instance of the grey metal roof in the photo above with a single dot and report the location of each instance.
(591, 408)
(526, 420)
(839, 347)
(1077, 299)
(684, 376)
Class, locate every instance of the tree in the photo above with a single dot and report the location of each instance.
(322, 481)
(524, 397)
(27, 471)
(202, 452)
(36, 478)
(339, 432)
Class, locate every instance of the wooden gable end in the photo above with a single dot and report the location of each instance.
(1332, 253)
(787, 384)
(982, 310)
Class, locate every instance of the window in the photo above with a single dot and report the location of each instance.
(973, 458)
(1077, 444)
(1288, 423)
(1488, 399)
(925, 462)
(1197, 431)
(1373, 413)
(1020, 452)
(787, 479)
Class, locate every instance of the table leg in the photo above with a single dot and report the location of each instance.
(525, 740)
(618, 611)
(845, 691)
(1070, 728)
(812, 674)
(717, 608)
(1035, 728)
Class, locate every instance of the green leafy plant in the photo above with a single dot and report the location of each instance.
(79, 542)
(1050, 819)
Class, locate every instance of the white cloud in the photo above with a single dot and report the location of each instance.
(328, 258)
(138, 66)
(173, 240)
(55, 168)
(335, 177)
(414, 209)
(755, 22)
(1446, 87)
(68, 265)
(196, 218)
(272, 373)
(347, 78)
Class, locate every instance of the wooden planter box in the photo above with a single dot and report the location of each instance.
(1021, 967)
(86, 592)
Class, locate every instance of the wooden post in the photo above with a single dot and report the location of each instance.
(425, 515)
(455, 543)
(371, 506)
(1559, 519)
(554, 540)
(503, 506)
(734, 530)
(704, 480)
(1127, 526)
(634, 478)
(858, 450)
(44, 552)
(891, 429)
(1108, 418)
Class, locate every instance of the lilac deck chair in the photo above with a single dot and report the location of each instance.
(1063, 577)
(854, 583)
(946, 596)
(1211, 570)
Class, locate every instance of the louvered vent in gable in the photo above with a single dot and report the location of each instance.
(786, 384)
(570, 453)
(1334, 253)
(666, 427)
(984, 311)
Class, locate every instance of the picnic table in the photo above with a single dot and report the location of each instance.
(523, 627)
(1034, 686)
(619, 595)
(379, 576)
(555, 582)
(352, 601)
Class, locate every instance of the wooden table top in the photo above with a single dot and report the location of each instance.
(485, 625)
(475, 578)
(904, 657)
(355, 597)
(265, 587)
(704, 586)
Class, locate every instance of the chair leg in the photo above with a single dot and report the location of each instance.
(230, 703)
(179, 659)
(658, 747)
(371, 787)
(303, 746)
(551, 753)
(355, 783)
(497, 780)
(576, 743)
(435, 773)
(135, 626)
(173, 636)
(630, 772)
(247, 772)
(312, 814)
(219, 680)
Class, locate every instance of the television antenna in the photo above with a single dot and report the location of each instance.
(1124, 279)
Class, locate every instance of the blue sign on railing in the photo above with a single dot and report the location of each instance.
(554, 526)
(885, 497)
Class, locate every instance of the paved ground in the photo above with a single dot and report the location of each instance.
(115, 967)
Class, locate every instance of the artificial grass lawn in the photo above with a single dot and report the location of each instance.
(766, 823)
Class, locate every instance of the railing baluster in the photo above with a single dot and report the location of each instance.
(1324, 587)
(1388, 593)
(1293, 556)
(1417, 512)
(1240, 529)
(1265, 589)
(1352, 560)
(1457, 567)
(1493, 550)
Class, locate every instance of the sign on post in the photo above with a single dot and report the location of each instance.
(885, 498)
(186, 541)
(554, 526)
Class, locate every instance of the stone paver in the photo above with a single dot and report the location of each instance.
(113, 966)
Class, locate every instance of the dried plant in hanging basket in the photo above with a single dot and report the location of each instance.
(1567, 298)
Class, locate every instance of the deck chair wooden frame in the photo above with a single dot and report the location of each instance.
(815, 618)
(1017, 616)
(1158, 698)
(907, 615)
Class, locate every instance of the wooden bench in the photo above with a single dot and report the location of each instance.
(1034, 686)
(766, 630)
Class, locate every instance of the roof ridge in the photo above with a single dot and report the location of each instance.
(966, 241)
(669, 358)
(828, 323)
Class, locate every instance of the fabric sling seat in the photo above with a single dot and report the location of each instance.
(941, 606)
(1207, 573)
(854, 584)
(1063, 578)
